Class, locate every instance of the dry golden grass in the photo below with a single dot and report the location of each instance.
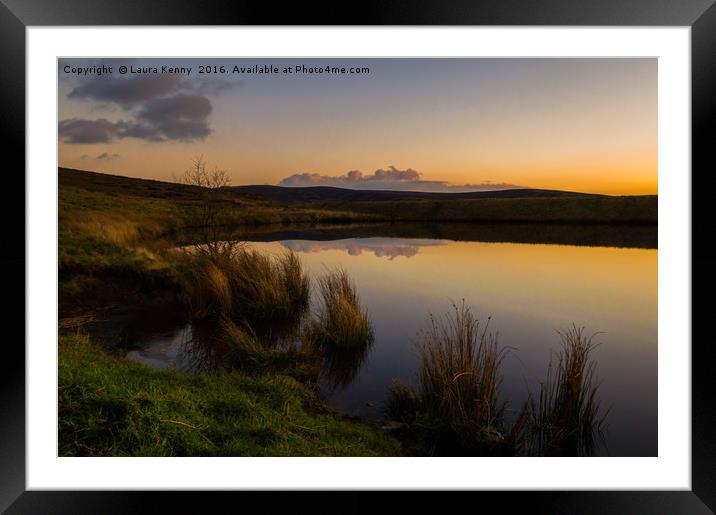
(209, 290)
(246, 286)
(341, 321)
(116, 228)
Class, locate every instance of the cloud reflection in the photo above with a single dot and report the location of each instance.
(390, 248)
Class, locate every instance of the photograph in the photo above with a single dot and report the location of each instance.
(448, 251)
(357, 256)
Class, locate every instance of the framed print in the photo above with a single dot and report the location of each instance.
(423, 248)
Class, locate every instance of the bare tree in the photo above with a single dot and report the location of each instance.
(210, 213)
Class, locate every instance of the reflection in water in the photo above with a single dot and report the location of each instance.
(206, 347)
(341, 365)
(189, 348)
(165, 351)
(380, 247)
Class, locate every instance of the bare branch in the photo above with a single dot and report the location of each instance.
(210, 211)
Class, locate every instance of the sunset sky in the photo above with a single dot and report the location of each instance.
(420, 124)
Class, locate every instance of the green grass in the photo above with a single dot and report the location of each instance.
(114, 407)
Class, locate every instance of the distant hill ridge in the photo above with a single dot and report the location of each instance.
(96, 181)
(285, 194)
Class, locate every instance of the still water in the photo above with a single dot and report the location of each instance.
(529, 290)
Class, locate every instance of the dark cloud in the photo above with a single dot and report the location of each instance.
(130, 91)
(105, 156)
(127, 92)
(76, 130)
(180, 117)
(390, 178)
(139, 130)
(163, 106)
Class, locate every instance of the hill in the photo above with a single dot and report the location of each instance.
(118, 184)
(287, 195)
(273, 204)
(106, 183)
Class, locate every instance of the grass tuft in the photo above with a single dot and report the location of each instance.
(341, 323)
(246, 286)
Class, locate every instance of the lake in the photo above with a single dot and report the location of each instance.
(528, 289)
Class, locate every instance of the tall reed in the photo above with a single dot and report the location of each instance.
(566, 418)
(459, 378)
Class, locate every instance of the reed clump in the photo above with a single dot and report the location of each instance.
(341, 322)
(246, 286)
(459, 378)
(565, 417)
(456, 405)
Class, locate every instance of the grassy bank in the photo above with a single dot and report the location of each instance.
(114, 407)
(121, 238)
(175, 205)
(579, 210)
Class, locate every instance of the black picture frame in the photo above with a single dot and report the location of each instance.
(17, 15)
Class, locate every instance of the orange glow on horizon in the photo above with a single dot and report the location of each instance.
(607, 181)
